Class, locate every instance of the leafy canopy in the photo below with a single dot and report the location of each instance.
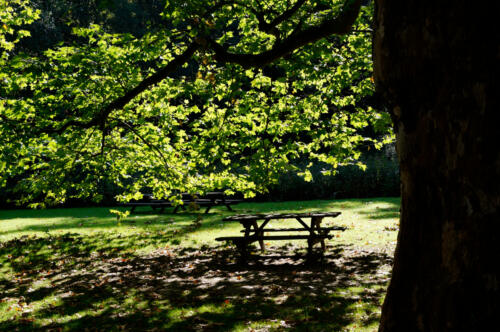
(226, 94)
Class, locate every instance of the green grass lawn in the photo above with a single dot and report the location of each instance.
(77, 269)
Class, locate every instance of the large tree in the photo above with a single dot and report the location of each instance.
(225, 94)
(441, 80)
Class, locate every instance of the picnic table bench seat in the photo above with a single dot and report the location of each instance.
(320, 229)
(271, 237)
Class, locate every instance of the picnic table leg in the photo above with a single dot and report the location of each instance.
(242, 248)
(242, 244)
(316, 224)
(208, 208)
(257, 233)
(229, 208)
(179, 207)
(310, 243)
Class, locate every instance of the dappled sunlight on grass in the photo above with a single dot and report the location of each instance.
(75, 268)
(73, 280)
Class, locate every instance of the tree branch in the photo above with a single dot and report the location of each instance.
(153, 147)
(131, 94)
(286, 14)
(271, 27)
(339, 25)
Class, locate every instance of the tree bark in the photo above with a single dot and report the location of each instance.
(440, 77)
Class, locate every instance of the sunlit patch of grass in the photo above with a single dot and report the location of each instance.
(370, 222)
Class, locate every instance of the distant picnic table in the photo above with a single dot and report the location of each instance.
(253, 232)
(208, 200)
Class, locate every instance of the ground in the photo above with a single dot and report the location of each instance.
(77, 269)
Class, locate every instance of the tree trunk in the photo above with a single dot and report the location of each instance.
(440, 78)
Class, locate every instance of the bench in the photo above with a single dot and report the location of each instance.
(255, 233)
(334, 228)
(153, 205)
(209, 200)
(242, 242)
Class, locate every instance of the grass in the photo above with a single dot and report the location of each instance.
(72, 269)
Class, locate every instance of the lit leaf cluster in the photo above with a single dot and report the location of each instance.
(207, 125)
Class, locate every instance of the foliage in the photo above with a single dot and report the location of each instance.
(57, 17)
(14, 14)
(225, 97)
(120, 215)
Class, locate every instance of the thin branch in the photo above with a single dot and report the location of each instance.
(286, 14)
(120, 102)
(6, 119)
(271, 27)
(362, 31)
(145, 141)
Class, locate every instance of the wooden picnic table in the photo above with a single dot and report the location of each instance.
(253, 232)
(209, 200)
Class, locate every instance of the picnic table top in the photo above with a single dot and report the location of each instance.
(258, 216)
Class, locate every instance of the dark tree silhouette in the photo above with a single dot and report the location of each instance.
(441, 81)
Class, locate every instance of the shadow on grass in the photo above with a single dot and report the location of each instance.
(382, 213)
(102, 285)
(167, 228)
(77, 213)
(93, 213)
